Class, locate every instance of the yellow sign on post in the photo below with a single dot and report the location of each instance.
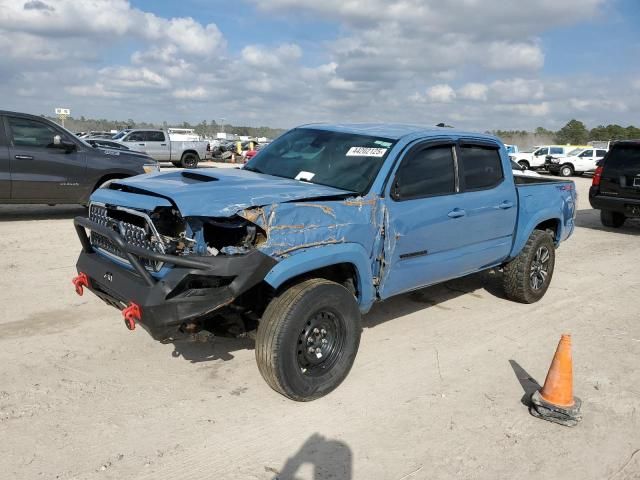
(239, 148)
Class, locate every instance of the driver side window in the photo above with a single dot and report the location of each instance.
(542, 151)
(587, 154)
(134, 137)
(426, 173)
(30, 133)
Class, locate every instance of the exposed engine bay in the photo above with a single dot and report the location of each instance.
(165, 231)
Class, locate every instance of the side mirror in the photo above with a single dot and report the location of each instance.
(67, 146)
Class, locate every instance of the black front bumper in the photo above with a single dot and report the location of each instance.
(194, 287)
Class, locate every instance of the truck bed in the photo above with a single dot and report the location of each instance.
(543, 198)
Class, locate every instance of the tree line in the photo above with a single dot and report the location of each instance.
(575, 132)
(204, 128)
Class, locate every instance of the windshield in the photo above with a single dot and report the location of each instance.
(575, 152)
(341, 160)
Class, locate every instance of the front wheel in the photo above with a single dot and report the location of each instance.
(566, 171)
(527, 277)
(308, 338)
(524, 164)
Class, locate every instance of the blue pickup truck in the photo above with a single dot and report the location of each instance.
(302, 240)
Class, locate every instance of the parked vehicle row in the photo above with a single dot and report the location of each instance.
(535, 158)
(41, 162)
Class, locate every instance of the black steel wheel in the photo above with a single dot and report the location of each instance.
(308, 338)
(526, 278)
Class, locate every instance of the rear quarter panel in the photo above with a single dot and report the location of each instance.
(541, 202)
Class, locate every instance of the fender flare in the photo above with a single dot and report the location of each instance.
(532, 222)
(325, 256)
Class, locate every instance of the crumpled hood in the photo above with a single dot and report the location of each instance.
(221, 192)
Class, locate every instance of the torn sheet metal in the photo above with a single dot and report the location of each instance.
(295, 226)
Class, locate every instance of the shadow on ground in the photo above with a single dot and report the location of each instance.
(329, 459)
(590, 218)
(527, 382)
(12, 213)
(478, 285)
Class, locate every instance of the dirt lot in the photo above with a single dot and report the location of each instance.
(435, 392)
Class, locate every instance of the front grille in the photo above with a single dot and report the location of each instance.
(134, 227)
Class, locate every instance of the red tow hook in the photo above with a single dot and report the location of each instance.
(132, 314)
(80, 281)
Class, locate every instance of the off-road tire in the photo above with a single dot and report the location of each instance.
(517, 274)
(612, 219)
(279, 340)
(189, 160)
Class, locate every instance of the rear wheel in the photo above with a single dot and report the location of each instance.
(527, 277)
(566, 170)
(189, 160)
(308, 338)
(612, 219)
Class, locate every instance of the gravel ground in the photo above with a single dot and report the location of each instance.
(436, 390)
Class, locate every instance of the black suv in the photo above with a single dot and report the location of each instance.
(41, 162)
(615, 190)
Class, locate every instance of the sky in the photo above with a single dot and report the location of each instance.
(474, 64)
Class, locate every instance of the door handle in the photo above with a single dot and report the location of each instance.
(24, 157)
(456, 213)
(141, 144)
(163, 144)
(505, 205)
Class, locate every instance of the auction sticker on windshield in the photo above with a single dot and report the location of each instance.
(366, 152)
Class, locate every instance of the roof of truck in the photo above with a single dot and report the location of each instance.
(393, 131)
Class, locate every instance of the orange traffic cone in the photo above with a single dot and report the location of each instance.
(555, 401)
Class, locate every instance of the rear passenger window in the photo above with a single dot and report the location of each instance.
(601, 153)
(556, 151)
(480, 167)
(155, 136)
(426, 173)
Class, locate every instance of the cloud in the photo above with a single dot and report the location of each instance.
(38, 5)
(261, 57)
(99, 19)
(441, 94)
(482, 72)
(198, 93)
(474, 91)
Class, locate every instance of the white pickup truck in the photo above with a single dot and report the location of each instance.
(157, 144)
(579, 161)
(534, 158)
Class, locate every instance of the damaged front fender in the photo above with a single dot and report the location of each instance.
(314, 259)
